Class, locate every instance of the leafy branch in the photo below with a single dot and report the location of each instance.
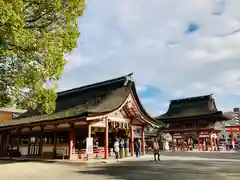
(35, 35)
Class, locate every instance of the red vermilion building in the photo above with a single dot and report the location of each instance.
(193, 121)
(104, 111)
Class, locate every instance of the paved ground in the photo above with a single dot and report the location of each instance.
(172, 167)
(210, 155)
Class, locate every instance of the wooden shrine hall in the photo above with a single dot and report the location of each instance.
(193, 121)
(104, 111)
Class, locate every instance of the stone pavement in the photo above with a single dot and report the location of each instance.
(143, 168)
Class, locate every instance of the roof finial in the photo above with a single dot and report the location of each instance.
(128, 78)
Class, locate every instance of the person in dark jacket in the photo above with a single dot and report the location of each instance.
(156, 150)
(137, 147)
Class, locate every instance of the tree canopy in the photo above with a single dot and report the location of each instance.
(34, 36)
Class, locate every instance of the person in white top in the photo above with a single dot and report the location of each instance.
(116, 149)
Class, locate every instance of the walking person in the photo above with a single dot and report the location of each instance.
(121, 145)
(156, 149)
(116, 149)
(136, 147)
(140, 147)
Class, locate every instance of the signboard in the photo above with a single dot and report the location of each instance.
(177, 136)
(204, 134)
(89, 145)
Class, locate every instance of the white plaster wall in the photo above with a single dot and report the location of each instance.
(48, 148)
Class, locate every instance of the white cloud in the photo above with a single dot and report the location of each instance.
(149, 39)
(75, 60)
(141, 88)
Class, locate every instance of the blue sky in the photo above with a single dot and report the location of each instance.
(174, 48)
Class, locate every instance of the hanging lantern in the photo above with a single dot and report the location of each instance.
(93, 131)
(127, 132)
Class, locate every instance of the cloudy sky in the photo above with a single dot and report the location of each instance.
(175, 48)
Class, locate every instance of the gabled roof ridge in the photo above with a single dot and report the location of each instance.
(191, 98)
(94, 85)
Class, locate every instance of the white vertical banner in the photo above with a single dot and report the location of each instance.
(89, 145)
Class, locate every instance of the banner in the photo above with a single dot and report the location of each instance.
(89, 145)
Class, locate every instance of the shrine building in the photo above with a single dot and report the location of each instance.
(105, 111)
(192, 123)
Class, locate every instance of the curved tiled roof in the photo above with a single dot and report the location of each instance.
(190, 107)
(91, 100)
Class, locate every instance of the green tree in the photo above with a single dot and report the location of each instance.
(34, 36)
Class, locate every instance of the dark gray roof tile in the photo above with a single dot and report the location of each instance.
(90, 100)
(190, 107)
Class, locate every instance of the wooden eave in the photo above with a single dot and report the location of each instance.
(218, 115)
(147, 118)
(44, 123)
(189, 130)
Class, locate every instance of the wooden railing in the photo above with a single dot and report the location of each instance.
(97, 152)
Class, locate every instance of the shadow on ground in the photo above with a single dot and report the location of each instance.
(210, 155)
(168, 170)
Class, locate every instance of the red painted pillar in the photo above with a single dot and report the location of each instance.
(18, 139)
(199, 148)
(210, 141)
(173, 143)
(1, 145)
(106, 140)
(233, 139)
(143, 140)
(218, 141)
(41, 141)
(131, 140)
(1, 139)
(71, 152)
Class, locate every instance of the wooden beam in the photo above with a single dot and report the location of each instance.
(232, 130)
(96, 117)
(41, 123)
(233, 126)
(119, 119)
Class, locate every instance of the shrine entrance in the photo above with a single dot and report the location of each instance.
(192, 123)
(208, 141)
(235, 139)
(183, 141)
